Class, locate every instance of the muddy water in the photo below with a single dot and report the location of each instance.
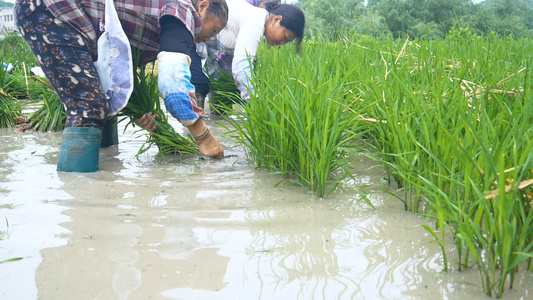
(189, 228)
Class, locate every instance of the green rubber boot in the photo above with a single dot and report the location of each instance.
(109, 133)
(80, 150)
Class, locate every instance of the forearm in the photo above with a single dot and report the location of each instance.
(242, 74)
(174, 75)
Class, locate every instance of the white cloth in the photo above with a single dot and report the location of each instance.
(174, 83)
(241, 37)
(114, 64)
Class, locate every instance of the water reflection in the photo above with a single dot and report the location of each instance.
(202, 229)
(285, 244)
(127, 278)
(28, 220)
(299, 260)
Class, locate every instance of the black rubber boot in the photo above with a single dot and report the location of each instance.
(109, 133)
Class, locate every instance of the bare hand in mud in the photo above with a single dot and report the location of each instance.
(147, 122)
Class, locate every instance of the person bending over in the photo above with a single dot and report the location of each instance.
(65, 36)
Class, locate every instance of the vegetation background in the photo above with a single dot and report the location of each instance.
(414, 18)
(6, 4)
(417, 18)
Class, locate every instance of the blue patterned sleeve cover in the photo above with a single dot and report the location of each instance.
(174, 82)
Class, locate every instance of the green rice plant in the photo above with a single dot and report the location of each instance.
(19, 83)
(297, 123)
(51, 115)
(17, 88)
(145, 99)
(451, 130)
(16, 50)
(224, 92)
(449, 120)
(9, 111)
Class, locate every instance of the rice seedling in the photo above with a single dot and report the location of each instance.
(19, 88)
(17, 50)
(449, 120)
(224, 93)
(51, 115)
(296, 124)
(451, 131)
(144, 99)
(10, 110)
(19, 82)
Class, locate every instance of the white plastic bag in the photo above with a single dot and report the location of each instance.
(114, 64)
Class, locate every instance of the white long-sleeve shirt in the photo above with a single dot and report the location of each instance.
(241, 37)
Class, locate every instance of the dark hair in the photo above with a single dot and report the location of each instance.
(293, 18)
(218, 8)
(272, 3)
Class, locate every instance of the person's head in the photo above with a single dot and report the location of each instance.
(214, 17)
(263, 3)
(285, 24)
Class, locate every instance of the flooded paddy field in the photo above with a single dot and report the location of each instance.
(191, 228)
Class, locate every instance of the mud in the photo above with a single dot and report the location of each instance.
(190, 228)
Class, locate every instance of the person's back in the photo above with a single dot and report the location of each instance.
(278, 23)
(244, 29)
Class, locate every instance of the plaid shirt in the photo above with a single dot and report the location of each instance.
(139, 18)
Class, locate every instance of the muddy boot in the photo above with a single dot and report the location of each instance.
(109, 133)
(80, 150)
(208, 145)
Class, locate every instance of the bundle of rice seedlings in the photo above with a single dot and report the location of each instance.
(51, 115)
(145, 99)
(19, 89)
(9, 110)
(224, 93)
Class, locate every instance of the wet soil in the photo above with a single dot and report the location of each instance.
(191, 228)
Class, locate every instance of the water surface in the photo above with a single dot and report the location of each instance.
(190, 228)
